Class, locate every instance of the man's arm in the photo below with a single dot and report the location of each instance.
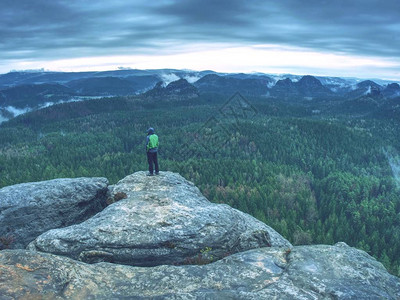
(147, 143)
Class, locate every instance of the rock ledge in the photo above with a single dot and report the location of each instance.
(30, 209)
(163, 220)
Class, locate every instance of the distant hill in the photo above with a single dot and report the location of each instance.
(176, 90)
(337, 85)
(308, 87)
(364, 88)
(71, 110)
(32, 90)
(18, 78)
(102, 86)
(392, 90)
(33, 95)
(22, 78)
(143, 83)
(285, 88)
(245, 84)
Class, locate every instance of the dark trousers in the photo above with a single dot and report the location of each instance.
(152, 159)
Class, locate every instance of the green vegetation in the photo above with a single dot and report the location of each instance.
(315, 179)
(203, 258)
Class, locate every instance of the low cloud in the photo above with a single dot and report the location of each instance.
(11, 112)
(368, 91)
(168, 78)
(2, 119)
(47, 104)
(192, 79)
(271, 84)
(17, 111)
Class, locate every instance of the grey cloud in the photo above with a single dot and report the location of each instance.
(38, 27)
(362, 27)
(208, 12)
(62, 28)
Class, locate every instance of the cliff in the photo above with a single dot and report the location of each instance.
(179, 90)
(160, 238)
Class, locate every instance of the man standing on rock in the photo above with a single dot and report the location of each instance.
(151, 149)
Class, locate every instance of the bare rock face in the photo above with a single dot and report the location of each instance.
(305, 272)
(163, 220)
(180, 90)
(30, 209)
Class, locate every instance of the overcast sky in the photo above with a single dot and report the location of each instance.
(337, 37)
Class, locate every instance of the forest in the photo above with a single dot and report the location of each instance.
(314, 177)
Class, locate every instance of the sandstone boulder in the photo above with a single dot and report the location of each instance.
(163, 219)
(305, 272)
(29, 209)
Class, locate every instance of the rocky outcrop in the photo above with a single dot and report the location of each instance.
(30, 209)
(305, 272)
(175, 91)
(365, 88)
(181, 245)
(392, 90)
(308, 87)
(245, 84)
(162, 220)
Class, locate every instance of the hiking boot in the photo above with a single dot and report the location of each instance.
(157, 173)
(149, 174)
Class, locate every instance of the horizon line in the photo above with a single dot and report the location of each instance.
(43, 70)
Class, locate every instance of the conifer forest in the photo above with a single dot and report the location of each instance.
(315, 173)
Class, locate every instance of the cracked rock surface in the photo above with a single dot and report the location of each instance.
(305, 272)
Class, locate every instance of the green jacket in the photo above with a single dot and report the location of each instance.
(152, 143)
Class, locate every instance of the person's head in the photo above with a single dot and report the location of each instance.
(150, 130)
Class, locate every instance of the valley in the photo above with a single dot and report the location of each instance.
(309, 162)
